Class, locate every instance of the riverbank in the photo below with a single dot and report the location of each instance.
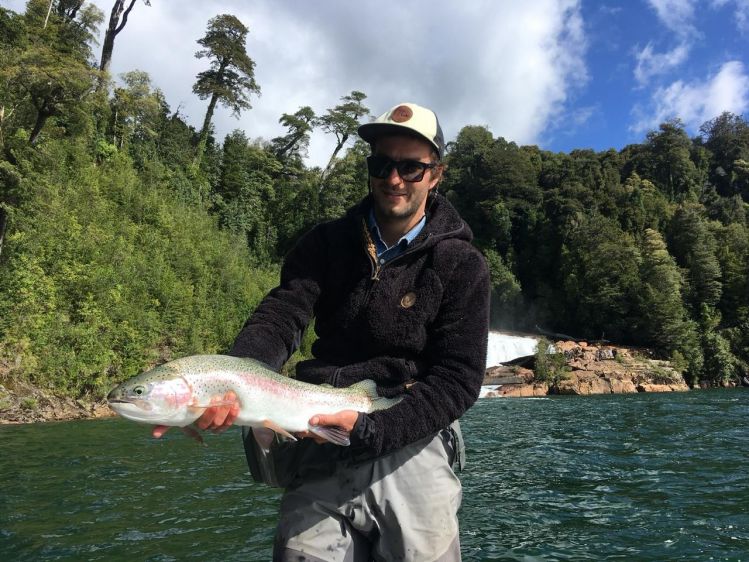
(24, 403)
(587, 369)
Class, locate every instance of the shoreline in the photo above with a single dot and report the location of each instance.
(24, 403)
(588, 369)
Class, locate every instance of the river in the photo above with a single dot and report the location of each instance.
(623, 477)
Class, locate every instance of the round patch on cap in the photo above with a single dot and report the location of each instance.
(401, 114)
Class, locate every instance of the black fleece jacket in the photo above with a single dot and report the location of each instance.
(423, 317)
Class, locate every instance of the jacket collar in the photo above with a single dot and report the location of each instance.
(443, 221)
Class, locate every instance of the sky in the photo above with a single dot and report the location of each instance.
(560, 74)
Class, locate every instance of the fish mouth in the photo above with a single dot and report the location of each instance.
(135, 410)
(136, 402)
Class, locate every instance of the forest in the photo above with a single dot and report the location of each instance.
(129, 237)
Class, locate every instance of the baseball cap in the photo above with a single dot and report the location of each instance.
(404, 118)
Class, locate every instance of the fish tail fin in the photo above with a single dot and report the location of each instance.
(369, 387)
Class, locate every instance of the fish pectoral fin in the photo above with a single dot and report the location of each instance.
(278, 429)
(193, 433)
(332, 433)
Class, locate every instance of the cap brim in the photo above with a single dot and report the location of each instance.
(370, 131)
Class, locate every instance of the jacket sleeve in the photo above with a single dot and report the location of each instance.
(274, 329)
(454, 360)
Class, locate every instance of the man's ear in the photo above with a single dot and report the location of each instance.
(436, 176)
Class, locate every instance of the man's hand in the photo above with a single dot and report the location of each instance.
(216, 418)
(345, 419)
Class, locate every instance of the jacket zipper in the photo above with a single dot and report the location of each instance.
(377, 268)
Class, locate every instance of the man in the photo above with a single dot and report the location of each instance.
(399, 296)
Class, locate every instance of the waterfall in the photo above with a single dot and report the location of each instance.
(504, 347)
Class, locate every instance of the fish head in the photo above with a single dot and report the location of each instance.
(159, 396)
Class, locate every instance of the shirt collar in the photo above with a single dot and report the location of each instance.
(404, 240)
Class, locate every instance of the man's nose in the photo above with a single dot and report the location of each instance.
(394, 177)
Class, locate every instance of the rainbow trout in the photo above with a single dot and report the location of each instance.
(178, 392)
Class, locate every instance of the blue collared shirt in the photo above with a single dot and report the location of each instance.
(385, 253)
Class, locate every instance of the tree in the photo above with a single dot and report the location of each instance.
(641, 205)
(50, 68)
(117, 21)
(727, 138)
(733, 254)
(601, 279)
(135, 109)
(346, 183)
(667, 160)
(293, 145)
(663, 320)
(695, 249)
(506, 293)
(231, 76)
(245, 193)
(343, 121)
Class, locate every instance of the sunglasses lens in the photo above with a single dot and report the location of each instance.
(379, 167)
(410, 170)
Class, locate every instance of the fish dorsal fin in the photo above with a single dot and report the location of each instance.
(368, 386)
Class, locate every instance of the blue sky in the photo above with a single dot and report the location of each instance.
(649, 61)
(561, 74)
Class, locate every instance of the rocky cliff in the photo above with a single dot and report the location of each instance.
(588, 369)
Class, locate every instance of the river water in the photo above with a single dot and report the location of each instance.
(628, 477)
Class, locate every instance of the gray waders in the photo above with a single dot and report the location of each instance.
(399, 506)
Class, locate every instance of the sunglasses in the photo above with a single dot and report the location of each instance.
(380, 167)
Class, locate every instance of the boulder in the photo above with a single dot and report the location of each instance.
(524, 390)
(592, 368)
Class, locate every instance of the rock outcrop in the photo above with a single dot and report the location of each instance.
(589, 369)
(26, 404)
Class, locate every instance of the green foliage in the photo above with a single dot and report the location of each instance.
(231, 77)
(291, 147)
(506, 290)
(342, 121)
(549, 366)
(47, 69)
(600, 267)
(105, 275)
(126, 237)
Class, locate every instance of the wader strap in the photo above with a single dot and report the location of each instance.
(460, 447)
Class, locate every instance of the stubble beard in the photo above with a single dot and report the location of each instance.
(385, 212)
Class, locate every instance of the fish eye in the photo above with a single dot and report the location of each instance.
(139, 390)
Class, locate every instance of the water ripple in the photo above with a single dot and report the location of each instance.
(640, 477)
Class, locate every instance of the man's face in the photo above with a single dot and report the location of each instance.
(394, 198)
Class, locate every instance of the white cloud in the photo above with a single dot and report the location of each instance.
(650, 64)
(677, 15)
(697, 102)
(506, 64)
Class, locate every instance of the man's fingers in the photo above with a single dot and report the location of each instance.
(221, 416)
(206, 419)
(159, 430)
(232, 415)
